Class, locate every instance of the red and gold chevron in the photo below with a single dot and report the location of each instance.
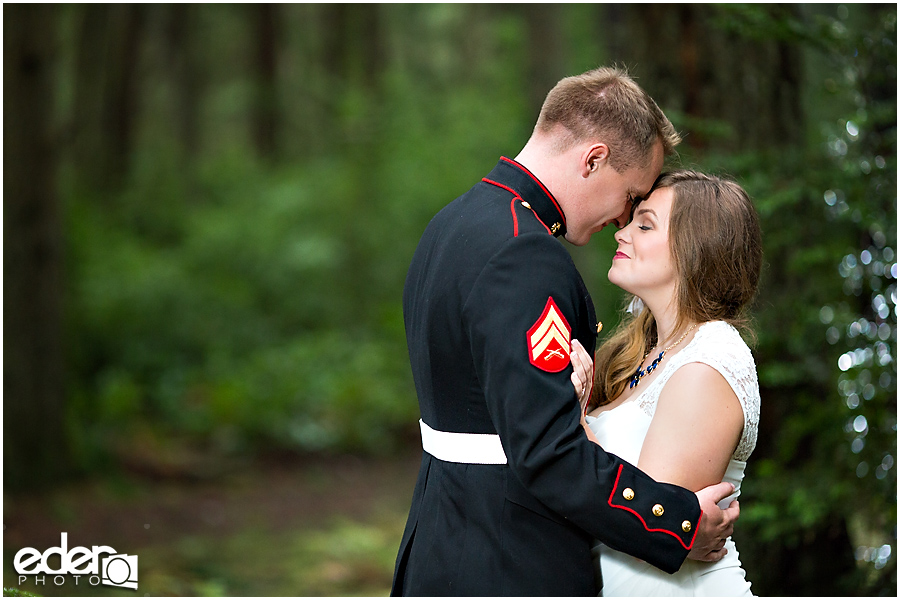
(549, 340)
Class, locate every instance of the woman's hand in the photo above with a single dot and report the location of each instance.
(582, 374)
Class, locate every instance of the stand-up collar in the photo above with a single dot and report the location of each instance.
(512, 175)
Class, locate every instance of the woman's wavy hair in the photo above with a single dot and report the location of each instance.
(716, 246)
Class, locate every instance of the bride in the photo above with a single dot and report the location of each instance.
(675, 389)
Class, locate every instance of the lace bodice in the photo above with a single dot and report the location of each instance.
(720, 346)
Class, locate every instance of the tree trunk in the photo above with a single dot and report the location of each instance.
(106, 93)
(371, 52)
(183, 65)
(689, 54)
(87, 106)
(120, 102)
(34, 436)
(266, 110)
(546, 55)
(786, 101)
(634, 35)
(335, 58)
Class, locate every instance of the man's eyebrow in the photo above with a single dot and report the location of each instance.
(636, 196)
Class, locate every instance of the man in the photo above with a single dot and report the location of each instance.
(511, 492)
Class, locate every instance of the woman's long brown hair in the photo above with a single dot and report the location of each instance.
(716, 247)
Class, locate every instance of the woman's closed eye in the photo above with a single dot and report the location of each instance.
(646, 218)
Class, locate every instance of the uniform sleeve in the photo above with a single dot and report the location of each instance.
(536, 413)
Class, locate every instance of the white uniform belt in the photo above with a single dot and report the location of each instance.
(472, 448)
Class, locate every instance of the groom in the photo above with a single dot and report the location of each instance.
(511, 493)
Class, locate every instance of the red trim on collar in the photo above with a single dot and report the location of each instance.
(516, 196)
(562, 215)
(632, 511)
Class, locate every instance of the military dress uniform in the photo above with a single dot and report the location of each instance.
(510, 492)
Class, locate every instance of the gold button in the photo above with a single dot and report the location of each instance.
(525, 204)
(686, 526)
(628, 494)
(599, 326)
(658, 510)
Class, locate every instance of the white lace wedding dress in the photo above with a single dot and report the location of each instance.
(621, 430)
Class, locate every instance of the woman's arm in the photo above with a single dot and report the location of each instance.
(717, 524)
(696, 427)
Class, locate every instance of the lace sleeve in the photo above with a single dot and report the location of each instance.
(720, 346)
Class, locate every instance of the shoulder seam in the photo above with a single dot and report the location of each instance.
(516, 197)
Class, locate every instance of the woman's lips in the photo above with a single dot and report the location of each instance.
(620, 255)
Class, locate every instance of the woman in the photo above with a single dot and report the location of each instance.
(675, 388)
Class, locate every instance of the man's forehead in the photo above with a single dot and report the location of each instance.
(647, 177)
(644, 182)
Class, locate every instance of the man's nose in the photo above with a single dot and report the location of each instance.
(622, 220)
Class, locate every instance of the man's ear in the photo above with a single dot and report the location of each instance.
(593, 157)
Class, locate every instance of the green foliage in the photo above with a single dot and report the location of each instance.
(13, 592)
(234, 321)
(249, 307)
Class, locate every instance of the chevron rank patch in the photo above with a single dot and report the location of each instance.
(549, 340)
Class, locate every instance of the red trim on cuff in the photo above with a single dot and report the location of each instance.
(696, 530)
(635, 513)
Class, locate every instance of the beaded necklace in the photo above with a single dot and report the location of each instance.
(641, 372)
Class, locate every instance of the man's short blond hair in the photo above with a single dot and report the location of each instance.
(607, 105)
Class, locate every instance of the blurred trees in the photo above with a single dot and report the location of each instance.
(733, 75)
(210, 211)
(826, 203)
(809, 128)
(34, 443)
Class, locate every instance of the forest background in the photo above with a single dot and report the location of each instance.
(208, 215)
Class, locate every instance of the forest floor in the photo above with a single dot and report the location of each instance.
(326, 526)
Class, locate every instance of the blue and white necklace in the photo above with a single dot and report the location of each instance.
(641, 372)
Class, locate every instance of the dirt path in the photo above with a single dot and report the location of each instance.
(272, 498)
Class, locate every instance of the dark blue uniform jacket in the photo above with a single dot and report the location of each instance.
(480, 279)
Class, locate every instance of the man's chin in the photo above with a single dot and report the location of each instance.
(582, 239)
(577, 241)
